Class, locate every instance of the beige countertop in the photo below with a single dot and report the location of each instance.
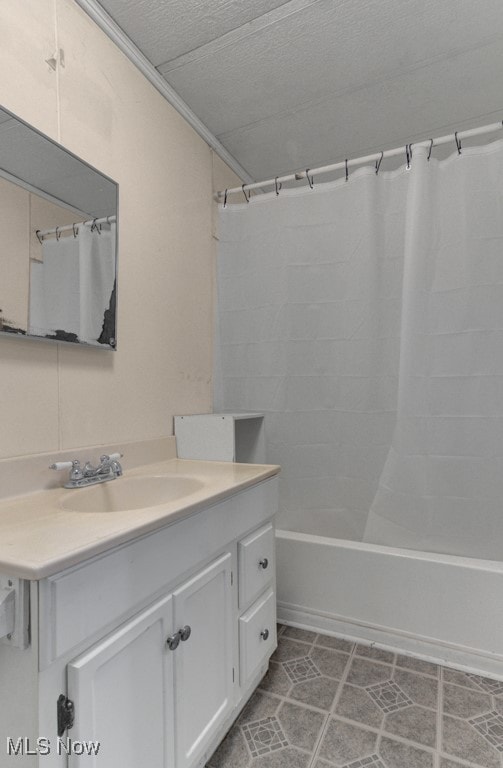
(39, 538)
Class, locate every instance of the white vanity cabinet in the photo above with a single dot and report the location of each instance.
(127, 688)
(145, 642)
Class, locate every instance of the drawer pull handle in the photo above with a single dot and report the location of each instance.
(263, 563)
(173, 641)
(264, 634)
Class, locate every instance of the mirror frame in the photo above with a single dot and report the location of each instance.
(25, 184)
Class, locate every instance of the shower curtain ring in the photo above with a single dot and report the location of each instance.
(277, 185)
(310, 179)
(458, 142)
(408, 154)
(247, 198)
(431, 147)
(347, 174)
(378, 164)
(74, 227)
(58, 233)
(39, 236)
(225, 199)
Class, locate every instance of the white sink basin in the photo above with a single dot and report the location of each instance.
(128, 493)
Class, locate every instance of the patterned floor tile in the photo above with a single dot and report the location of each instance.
(284, 758)
(337, 643)
(259, 706)
(490, 726)
(422, 690)
(465, 702)
(330, 662)
(373, 761)
(232, 752)
(487, 684)
(344, 743)
(305, 635)
(385, 713)
(398, 755)
(417, 665)
(288, 649)
(301, 726)
(364, 673)
(264, 736)
(415, 724)
(276, 680)
(356, 704)
(460, 739)
(302, 669)
(459, 678)
(377, 654)
(317, 693)
(388, 696)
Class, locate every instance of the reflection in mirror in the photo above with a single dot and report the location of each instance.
(58, 259)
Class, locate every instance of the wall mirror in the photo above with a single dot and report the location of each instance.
(58, 253)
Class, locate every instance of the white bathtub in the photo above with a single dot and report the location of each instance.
(441, 607)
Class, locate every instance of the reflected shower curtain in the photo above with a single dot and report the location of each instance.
(70, 288)
(365, 319)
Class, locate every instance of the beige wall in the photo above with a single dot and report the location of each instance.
(100, 107)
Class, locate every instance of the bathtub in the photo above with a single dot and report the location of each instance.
(443, 608)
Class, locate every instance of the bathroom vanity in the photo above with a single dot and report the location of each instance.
(149, 631)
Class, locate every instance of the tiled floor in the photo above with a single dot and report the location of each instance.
(325, 703)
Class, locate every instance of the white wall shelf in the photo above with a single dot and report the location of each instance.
(221, 437)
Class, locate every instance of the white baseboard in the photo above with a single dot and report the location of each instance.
(448, 655)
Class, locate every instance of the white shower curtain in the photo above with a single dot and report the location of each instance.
(442, 486)
(309, 309)
(366, 320)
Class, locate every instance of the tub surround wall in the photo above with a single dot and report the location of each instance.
(98, 105)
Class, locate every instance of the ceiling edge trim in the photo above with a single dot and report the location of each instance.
(126, 45)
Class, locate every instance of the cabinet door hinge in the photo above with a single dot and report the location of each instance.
(232, 674)
(66, 714)
(232, 578)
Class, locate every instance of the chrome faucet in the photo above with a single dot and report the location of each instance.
(108, 469)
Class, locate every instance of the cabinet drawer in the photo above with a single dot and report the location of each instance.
(256, 564)
(257, 635)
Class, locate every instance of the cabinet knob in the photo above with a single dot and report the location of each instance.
(263, 563)
(183, 634)
(173, 641)
(264, 634)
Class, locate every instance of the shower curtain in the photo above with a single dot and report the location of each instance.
(365, 318)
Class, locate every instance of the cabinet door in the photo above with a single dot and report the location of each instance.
(122, 689)
(204, 662)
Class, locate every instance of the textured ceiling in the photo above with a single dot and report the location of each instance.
(288, 85)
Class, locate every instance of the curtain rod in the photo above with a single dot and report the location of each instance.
(377, 157)
(41, 233)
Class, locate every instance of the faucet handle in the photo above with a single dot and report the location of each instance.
(111, 457)
(73, 466)
(59, 465)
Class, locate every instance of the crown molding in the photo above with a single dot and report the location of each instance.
(95, 11)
